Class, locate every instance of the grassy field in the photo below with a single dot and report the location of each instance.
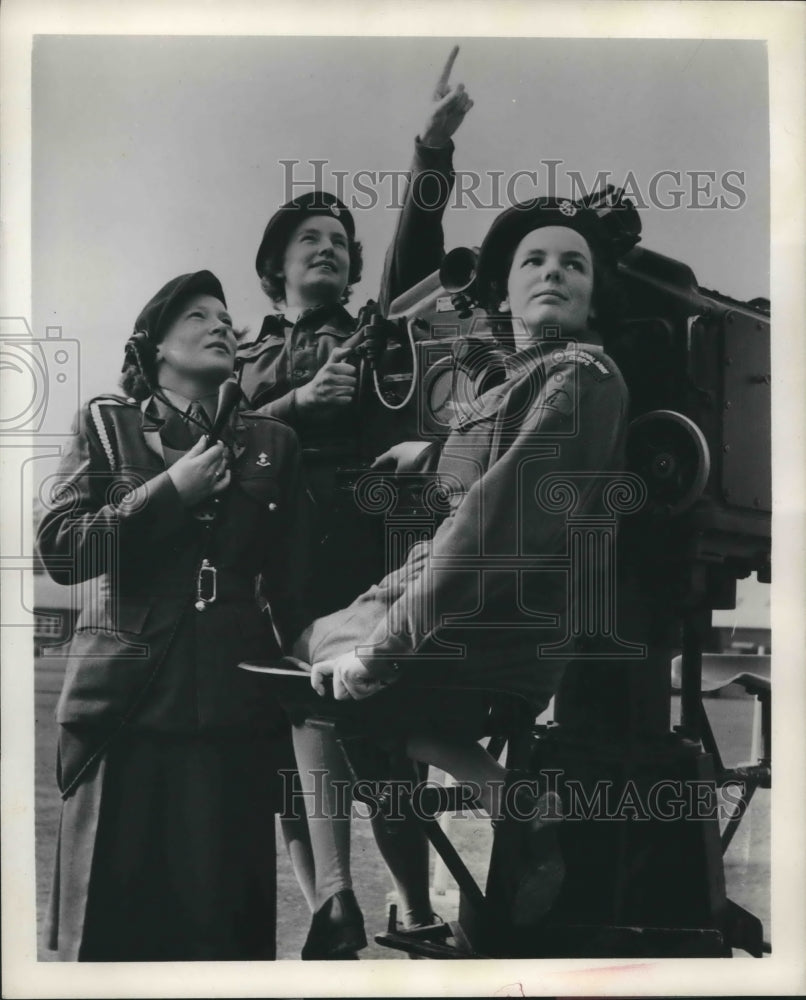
(746, 865)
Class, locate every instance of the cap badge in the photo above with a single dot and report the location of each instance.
(567, 208)
(262, 460)
(335, 210)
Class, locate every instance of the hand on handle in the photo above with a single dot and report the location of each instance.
(332, 387)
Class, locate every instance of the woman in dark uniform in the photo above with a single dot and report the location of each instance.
(167, 753)
(303, 367)
(461, 614)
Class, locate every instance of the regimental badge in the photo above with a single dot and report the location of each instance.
(262, 460)
(335, 210)
(568, 208)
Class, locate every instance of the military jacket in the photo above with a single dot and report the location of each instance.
(142, 654)
(491, 599)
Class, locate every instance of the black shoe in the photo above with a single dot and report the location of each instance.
(337, 930)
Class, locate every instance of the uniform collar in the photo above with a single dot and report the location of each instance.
(154, 414)
(333, 319)
(333, 314)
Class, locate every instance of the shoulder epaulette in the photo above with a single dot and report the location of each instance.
(594, 363)
(113, 400)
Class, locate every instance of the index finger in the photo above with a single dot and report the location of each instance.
(341, 354)
(198, 448)
(442, 82)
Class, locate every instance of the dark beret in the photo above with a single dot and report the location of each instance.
(609, 232)
(286, 219)
(160, 311)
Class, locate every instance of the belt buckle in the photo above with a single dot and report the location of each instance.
(206, 585)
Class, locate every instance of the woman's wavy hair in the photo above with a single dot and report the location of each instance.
(273, 284)
(139, 373)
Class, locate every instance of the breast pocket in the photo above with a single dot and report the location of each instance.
(263, 489)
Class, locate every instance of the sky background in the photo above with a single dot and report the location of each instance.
(154, 156)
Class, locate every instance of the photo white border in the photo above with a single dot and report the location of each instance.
(782, 26)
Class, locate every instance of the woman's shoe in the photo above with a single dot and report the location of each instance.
(337, 930)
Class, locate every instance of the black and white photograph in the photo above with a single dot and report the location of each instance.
(403, 499)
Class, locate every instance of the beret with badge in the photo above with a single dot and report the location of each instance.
(607, 221)
(160, 311)
(285, 219)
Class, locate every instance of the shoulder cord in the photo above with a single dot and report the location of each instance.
(100, 429)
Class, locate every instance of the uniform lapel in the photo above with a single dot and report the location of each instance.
(151, 424)
(234, 434)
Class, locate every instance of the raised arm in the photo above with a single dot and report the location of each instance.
(417, 247)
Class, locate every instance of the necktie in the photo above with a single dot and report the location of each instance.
(182, 430)
(197, 420)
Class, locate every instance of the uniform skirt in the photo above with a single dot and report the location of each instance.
(166, 851)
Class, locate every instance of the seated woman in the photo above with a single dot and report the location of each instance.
(480, 605)
(167, 753)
